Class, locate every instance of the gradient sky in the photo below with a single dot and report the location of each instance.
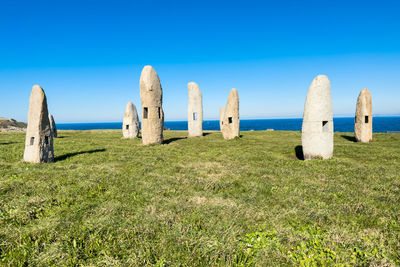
(88, 55)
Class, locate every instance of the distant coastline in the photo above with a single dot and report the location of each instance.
(11, 125)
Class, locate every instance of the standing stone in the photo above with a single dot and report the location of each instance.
(39, 138)
(53, 127)
(231, 122)
(130, 124)
(152, 112)
(363, 120)
(195, 110)
(317, 130)
(221, 118)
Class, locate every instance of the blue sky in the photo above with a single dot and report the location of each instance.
(88, 55)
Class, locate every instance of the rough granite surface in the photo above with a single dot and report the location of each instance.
(39, 137)
(53, 125)
(195, 110)
(317, 129)
(152, 112)
(221, 118)
(130, 123)
(231, 121)
(363, 119)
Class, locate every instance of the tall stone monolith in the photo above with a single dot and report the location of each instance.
(221, 118)
(195, 110)
(39, 137)
(231, 121)
(317, 130)
(363, 119)
(130, 124)
(53, 127)
(152, 112)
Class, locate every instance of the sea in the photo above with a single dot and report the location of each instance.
(380, 125)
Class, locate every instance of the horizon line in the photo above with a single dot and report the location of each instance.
(245, 118)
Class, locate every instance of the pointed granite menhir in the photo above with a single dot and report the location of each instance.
(231, 122)
(317, 130)
(221, 118)
(195, 110)
(363, 120)
(39, 138)
(130, 124)
(53, 127)
(152, 112)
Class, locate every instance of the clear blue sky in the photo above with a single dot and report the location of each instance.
(88, 55)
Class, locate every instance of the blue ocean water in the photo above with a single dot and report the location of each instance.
(380, 125)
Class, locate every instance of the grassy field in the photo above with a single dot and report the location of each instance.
(200, 201)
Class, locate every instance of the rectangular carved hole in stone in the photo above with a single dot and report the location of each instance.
(355, 119)
(325, 126)
(32, 141)
(229, 119)
(195, 116)
(46, 140)
(127, 127)
(159, 112)
(366, 119)
(145, 113)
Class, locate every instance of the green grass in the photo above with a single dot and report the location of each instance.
(200, 201)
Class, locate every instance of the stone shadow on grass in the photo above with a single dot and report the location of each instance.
(299, 152)
(173, 139)
(350, 138)
(7, 143)
(69, 155)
